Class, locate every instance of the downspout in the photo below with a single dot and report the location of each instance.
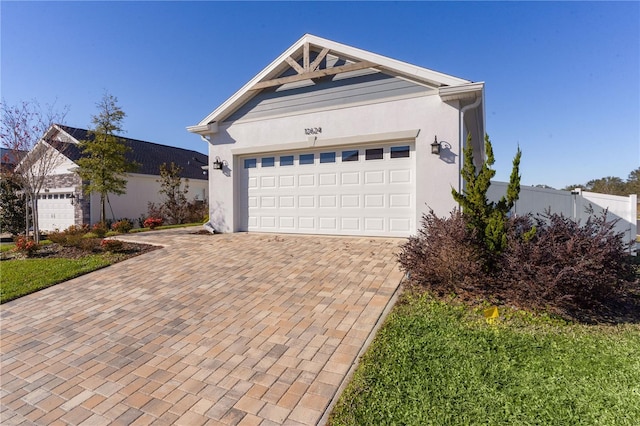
(461, 139)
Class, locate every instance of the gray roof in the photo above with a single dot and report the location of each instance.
(148, 155)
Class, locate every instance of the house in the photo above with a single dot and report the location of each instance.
(62, 202)
(331, 139)
(9, 158)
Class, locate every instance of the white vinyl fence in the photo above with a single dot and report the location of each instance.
(575, 204)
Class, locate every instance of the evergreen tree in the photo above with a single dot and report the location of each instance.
(488, 219)
(13, 211)
(104, 164)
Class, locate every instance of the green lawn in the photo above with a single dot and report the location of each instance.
(24, 276)
(435, 363)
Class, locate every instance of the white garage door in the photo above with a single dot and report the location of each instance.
(55, 211)
(366, 190)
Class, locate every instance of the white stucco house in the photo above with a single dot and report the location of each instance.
(62, 202)
(331, 139)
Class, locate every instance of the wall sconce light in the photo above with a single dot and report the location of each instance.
(217, 164)
(435, 146)
(73, 199)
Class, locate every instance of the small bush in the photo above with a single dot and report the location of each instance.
(25, 246)
(100, 229)
(70, 237)
(443, 256)
(112, 245)
(566, 264)
(89, 244)
(122, 226)
(153, 222)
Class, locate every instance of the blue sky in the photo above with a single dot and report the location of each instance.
(562, 79)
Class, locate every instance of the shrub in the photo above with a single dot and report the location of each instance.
(197, 211)
(70, 237)
(26, 246)
(122, 226)
(565, 264)
(443, 256)
(100, 229)
(111, 245)
(152, 222)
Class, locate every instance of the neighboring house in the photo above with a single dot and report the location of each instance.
(62, 201)
(9, 158)
(331, 139)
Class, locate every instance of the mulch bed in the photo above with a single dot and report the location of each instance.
(52, 251)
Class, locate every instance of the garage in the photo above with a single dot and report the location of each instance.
(55, 211)
(345, 190)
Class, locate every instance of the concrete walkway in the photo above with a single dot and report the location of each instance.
(248, 329)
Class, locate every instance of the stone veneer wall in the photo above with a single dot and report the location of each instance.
(82, 204)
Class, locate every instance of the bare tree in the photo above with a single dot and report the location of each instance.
(24, 127)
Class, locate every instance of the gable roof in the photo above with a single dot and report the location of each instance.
(289, 60)
(148, 155)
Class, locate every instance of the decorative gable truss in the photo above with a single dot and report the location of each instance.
(310, 70)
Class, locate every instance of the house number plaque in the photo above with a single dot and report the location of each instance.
(312, 130)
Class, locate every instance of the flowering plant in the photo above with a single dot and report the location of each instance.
(100, 229)
(26, 246)
(152, 222)
(123, 226)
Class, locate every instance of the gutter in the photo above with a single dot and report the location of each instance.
(464, 109)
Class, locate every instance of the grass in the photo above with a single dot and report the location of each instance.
(158, 228)
(437, 363)
(25, 276)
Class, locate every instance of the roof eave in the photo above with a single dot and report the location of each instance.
(461, 91)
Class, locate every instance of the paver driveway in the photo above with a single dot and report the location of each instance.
(214, 329)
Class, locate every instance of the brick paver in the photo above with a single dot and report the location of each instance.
(212, 329)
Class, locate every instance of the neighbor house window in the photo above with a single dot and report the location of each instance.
(250, 163)
(351, 155)
(268, 161)
(306, 158)
(373, 154)
(286, 160)
(327, 157)
(399, 151)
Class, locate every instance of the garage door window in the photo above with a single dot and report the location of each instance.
(373, 154)
(351, 155)
(306, 158)
(268, 162)
(250, 163)
(400, 151)
(327, 157)
(286, 160)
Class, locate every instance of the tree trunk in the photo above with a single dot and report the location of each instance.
(36, 224)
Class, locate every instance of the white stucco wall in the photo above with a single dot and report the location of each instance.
(435, 175)
(141, 190)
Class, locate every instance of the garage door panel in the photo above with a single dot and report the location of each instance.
(399, 200)
(374, 177)
(268, 182)
(287, 201)
(306, 223)
(358, 197)
(399, 224)
(268, 202)
(307, 180)
(287, 181)
(307, 201)
(327, 201)
(327, 179)
(399, 176)
(350, 178)
(374, 200)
